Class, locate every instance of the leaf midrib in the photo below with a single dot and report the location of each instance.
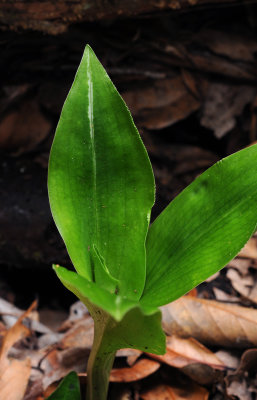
(92, 136)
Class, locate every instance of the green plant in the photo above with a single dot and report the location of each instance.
(101, 190)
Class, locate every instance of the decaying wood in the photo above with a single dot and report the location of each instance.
(55, 17)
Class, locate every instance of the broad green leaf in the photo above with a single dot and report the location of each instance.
(202, 229)
(68, 389)
(132, 325)
(137, 330)
(89, 292)
(101, 185)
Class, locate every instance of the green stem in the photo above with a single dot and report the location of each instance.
(100, 360)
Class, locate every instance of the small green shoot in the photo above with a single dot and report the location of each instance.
(101, 191)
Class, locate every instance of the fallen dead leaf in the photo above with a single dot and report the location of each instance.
(223, 103)
(242, 382)
(12, 94)
(131, 355)
(10, 314)
(165, 392)
(163, 104)
(241, 264)
(23, 129)
(229, 359)
(170, 114)
(250, 249)
(244, 284)
(211, 322)
(14, 379)
(182, 352)
(239, 389)
(81, 334)
(141, 369)
(221, 295)
(14, 374)
(15, 333)
(194, 359)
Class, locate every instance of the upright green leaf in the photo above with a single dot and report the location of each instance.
(68, 389)
(202, 229)
(101, 185)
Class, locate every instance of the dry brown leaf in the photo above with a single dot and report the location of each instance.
(12, 94)
(52, 318)
(229, 358)
(163, 104)
(34, 391)
(253, 294)
(140, 370)
(164, 392)
(223, 103)
(14, 374)
(195, 83)
(241, 264)
(244, 284)
(248, 361)
(221, 63)
(160, 94)
(250, 249)
(192, 293)
(53, 368)
(182, 352)
(15, 333)
(242, 382)
(239, 389)
(81, 334)
(23, 129)
(131, 354)
(170, 114)
(220, 295)
(14, 379)
(211, 322)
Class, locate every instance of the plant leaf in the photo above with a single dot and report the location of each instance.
(68, 389)
(101, 185)
(101, 273)
(138, 330)
(87, 291)
(130, 320)
(202, 229)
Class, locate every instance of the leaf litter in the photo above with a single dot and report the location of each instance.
(211, 344)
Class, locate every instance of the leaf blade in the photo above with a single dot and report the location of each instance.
(202, 229)
(129, 318)
(68, 389)
(101, 185)
(87, 291)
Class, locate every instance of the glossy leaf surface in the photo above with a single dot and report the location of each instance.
(68, 389)
(202, 229)
(101, 185)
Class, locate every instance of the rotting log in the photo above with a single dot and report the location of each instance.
(55, 17)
